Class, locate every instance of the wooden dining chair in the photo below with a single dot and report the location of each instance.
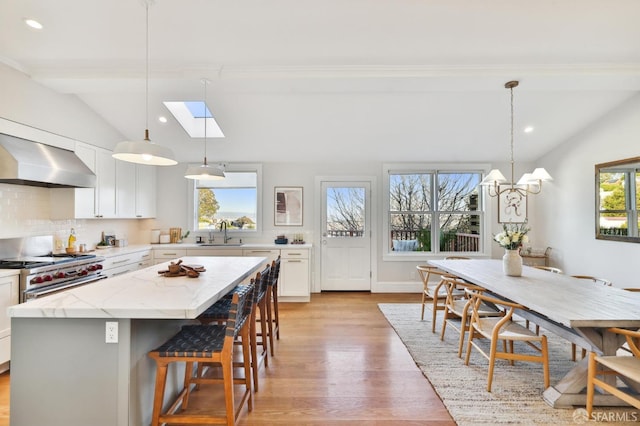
(457, 310)
(595, 280)
(505, 330)
(623, 367)
(432, 292)
(549, 269)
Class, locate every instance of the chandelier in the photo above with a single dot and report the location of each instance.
(529, 183)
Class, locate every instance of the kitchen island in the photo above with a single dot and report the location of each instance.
(64, 373)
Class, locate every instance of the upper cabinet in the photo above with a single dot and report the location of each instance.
(145, 191)
(123, 190)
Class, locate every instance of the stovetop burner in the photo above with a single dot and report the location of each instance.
(30, 262)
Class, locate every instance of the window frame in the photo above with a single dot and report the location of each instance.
(484, 211)
(238, 233)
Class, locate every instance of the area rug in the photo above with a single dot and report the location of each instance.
(516, 396)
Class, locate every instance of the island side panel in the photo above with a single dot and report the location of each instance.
(147, 335)
(63, 373)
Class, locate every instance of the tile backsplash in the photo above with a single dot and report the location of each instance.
(26, 210)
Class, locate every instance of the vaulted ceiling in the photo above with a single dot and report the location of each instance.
(331, 80)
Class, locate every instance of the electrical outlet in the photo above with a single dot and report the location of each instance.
(111, 332)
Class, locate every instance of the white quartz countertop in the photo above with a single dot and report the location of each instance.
(145, 294)
(232, 246)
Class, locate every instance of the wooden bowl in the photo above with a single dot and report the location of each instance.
(70, 250)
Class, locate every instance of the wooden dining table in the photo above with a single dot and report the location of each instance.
(578, 311)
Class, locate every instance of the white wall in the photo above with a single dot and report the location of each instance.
(25, 211)
(565, 211)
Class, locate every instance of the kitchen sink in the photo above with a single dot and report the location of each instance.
(219, 245)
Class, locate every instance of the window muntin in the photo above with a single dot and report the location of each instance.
(233, 200)
(455, 225)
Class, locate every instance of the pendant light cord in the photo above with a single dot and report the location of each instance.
(146, 96)
(512, 174)
(205, 82)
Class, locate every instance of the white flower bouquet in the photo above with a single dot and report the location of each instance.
(513, 235)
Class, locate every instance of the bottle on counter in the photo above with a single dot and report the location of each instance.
(72, 239)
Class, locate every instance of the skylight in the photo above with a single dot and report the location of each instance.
(190, 114)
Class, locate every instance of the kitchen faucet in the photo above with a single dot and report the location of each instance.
(223, 225)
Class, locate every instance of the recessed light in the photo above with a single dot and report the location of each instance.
(528, 129)
(162, 119)
(33, 24)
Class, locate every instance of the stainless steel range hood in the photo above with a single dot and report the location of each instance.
(24, 162)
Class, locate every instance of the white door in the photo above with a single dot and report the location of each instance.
(346, 236)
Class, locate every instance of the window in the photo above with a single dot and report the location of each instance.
(233, 200)
(432, 210)
(619, 202)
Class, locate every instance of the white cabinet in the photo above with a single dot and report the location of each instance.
(106, 187)
(129, 262)
(8, 297)
(145, 191)
(224, 251)
(294, 275)
(271, 255)
(161, 255)
(123, 190)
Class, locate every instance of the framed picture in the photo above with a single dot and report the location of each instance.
(512, 206)
(288, 206)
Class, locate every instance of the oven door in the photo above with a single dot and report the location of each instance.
(53, 289)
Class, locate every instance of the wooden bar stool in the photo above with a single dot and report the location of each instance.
(272, 308)
(263, 299)
(219, 313)
(213, 345)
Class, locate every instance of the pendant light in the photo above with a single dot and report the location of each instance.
(145, 151)
(204, 171)
(529, 183)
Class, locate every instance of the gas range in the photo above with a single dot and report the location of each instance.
(32, 262)
(42, 275)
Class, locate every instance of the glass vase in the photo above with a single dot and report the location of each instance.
(512, 263)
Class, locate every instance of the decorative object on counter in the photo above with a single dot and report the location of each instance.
(103, 242)
(511, 238)
(298, 239)
(177, 269)
(145, 151)
(122, 242)
(175, 235)
(281, 239)
(72, 240)
(155, 236)
(110, 240)
(288, 206)
(185, 236)
(165, 239)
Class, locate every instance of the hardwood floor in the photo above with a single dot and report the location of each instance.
(337, 362)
